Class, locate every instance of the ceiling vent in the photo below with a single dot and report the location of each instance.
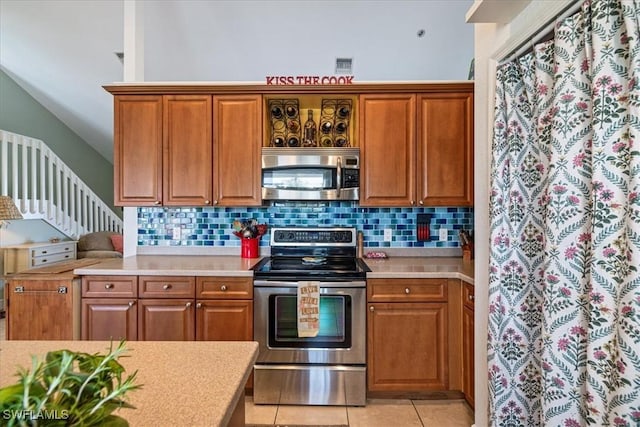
(344, 65)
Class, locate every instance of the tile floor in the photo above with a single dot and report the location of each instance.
(377, 412)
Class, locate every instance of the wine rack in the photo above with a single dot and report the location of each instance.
(285, 123)
(335, 117)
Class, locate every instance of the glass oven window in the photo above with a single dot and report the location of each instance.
(299, 178)
(335, 323)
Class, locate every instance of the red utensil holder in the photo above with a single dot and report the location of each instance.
(249, 248)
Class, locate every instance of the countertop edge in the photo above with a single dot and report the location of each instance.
(420, 275)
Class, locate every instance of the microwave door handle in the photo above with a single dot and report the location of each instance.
(339, 177)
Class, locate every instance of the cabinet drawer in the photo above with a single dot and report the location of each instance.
(110, 286)
(407, 290)
(166, 287)
(68, 248)
(51, 258)
(224, 288)
(468, 295)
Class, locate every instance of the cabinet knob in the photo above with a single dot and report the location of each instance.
(131, 303)
(157, 202)
(407, 291)
(215, 202)
(471, 297)
(188, 304)
(199, 305)
(370, 308)
(223, 288)
(413, 202)
(421, 203)
(108, 286)
(166, 287)
(206, 202)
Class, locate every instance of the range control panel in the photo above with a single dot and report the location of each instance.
(320, 236)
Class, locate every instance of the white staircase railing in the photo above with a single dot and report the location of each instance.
(43, 187)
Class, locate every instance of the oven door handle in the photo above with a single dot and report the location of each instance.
(292, 284)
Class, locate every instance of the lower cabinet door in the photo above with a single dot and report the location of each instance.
(407, 347)
(105, 319)
(468, 372)
(166, 320)
(224, 320)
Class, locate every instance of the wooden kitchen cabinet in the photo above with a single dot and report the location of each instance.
(137, 150)
(417, 149)
(224, 308)
(387, 125)
(182, 150)
(166, 308)
(237, 139)
(468, 341)
(445, 149)
(109, 308)
(43, 306)
(407, 338)
(187, 156)
(166, 320)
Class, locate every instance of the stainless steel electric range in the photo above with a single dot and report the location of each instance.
(326, 369)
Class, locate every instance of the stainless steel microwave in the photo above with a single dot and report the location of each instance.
(310, 173)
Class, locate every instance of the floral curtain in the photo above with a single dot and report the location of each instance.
(564, 284)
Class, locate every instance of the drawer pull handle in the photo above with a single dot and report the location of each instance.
(108, 286)
(44, 252)
(188, 305)
(44, 260)
(407, 291)
(131, 303)
(371, 308)
(223, 288)
(166, 287)
(199, 305)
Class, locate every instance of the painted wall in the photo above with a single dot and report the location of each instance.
(250, 39)
(21, 113)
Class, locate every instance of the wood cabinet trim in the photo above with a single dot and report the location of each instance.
(358, 88)
(395, 290)
(110, 286)
(224, 288)
(166, 287)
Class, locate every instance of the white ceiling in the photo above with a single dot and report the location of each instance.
(62, 52)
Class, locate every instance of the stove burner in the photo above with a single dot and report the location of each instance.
(310, 260)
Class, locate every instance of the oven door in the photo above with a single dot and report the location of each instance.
(342, 335)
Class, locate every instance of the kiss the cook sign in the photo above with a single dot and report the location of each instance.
(309, 80)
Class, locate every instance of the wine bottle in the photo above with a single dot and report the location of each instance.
(309, 138)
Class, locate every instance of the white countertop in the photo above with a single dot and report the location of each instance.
(223, 265)
(172, 265)
(421, 267)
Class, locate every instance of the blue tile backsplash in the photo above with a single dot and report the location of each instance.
(209, 226)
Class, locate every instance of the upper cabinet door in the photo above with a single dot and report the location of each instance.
(388, 144)
(187, 143)
(237, 145)
(445, 149)
(138, 150)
